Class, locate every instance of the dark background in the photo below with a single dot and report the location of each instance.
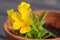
(35, 5)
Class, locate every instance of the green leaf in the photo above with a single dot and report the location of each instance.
(42, 16)
(26, 36)
(47, 36)
(44, 32)
(35, 21)
(52, 34)
(33, 16)
(29, 35)
(39, 35)
(34, 34)
(33, 31)
(42, 23)
(34, 27)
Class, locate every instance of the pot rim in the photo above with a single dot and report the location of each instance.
(47, 10)
(18, 37)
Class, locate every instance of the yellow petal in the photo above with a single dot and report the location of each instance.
(19, 15)
(24, 17)
(20, 6)
(10, 12)
(25, 29)
(16, 25)
(29, 21)
(30, 10)
(23, 3)
(15, 16)
(27, 5)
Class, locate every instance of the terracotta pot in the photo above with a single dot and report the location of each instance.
(52, 18)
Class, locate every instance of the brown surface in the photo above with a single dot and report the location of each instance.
(52, 18)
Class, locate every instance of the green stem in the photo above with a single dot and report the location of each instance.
(34, 28)
(52, 34)
(47, 36)
(26, 35)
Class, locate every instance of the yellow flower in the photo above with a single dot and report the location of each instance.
(22, 21)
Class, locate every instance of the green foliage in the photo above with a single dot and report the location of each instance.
(42, 16)
(33, 16)
(38, 32)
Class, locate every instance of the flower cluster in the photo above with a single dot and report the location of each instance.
(21, 20)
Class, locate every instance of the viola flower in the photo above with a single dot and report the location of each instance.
(22, 20)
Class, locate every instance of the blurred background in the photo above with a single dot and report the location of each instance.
(35, 5)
